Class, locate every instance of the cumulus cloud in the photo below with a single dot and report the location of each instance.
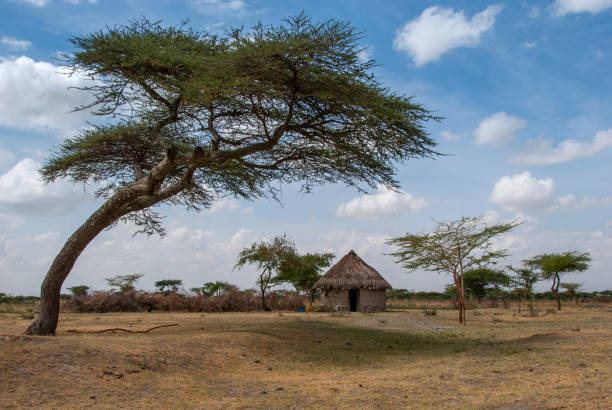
(524, 192)
(37, 95)
(498, 129)
(15, 44)
(438, 30)
(383, 203)
(542, 151)
(563, 7)
(23, 192)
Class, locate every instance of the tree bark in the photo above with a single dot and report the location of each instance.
(46, 323)
(113, 209)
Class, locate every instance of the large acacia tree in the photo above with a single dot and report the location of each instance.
(191, 117)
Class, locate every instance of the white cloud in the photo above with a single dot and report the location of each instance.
(439, 30)
(15, 44)
(563, 7)
(498, 129)
(384, 203)
(35, 3)
(541, 151)
(599, 54)
(37, 95)
(523, 192)
(23, 192)
(218, 6)
(449, 136)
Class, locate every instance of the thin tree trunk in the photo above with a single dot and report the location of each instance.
(555, 289)
(462, 298)
(262, 287)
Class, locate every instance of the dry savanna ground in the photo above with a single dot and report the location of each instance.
(501, 359)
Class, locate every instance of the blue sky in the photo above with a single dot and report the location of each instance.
(524, 89)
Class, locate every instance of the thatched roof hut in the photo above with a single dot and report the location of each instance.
(351, 284)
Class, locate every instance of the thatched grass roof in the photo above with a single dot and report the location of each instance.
(351, 272)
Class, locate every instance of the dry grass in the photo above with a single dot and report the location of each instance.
(296, 360)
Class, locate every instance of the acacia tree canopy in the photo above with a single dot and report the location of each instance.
(192, 117)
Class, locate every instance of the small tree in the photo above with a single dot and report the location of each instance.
(302, 271)
(523, 280)
(554, 265)
(477, 281)
(124, 283)
(217, 288)
(571, 289)
(452, 247)
(80, 290)
(167, 286)
(268, 257)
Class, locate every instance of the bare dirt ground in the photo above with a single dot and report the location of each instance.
(405, 359)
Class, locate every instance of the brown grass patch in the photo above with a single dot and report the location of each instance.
(272, 360)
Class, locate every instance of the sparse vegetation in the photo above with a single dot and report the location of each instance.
(393, 360)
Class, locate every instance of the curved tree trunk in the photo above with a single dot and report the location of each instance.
(107, 214)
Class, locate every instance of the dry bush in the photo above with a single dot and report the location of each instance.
(101, 302)
(236, 301)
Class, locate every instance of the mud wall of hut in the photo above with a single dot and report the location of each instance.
(335, 299)
(368, 301)
(372, 300)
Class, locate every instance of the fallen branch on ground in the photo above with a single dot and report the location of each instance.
(119, 328)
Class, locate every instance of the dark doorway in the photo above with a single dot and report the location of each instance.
(353, 299)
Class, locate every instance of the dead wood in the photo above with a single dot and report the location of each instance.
(119, 328)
